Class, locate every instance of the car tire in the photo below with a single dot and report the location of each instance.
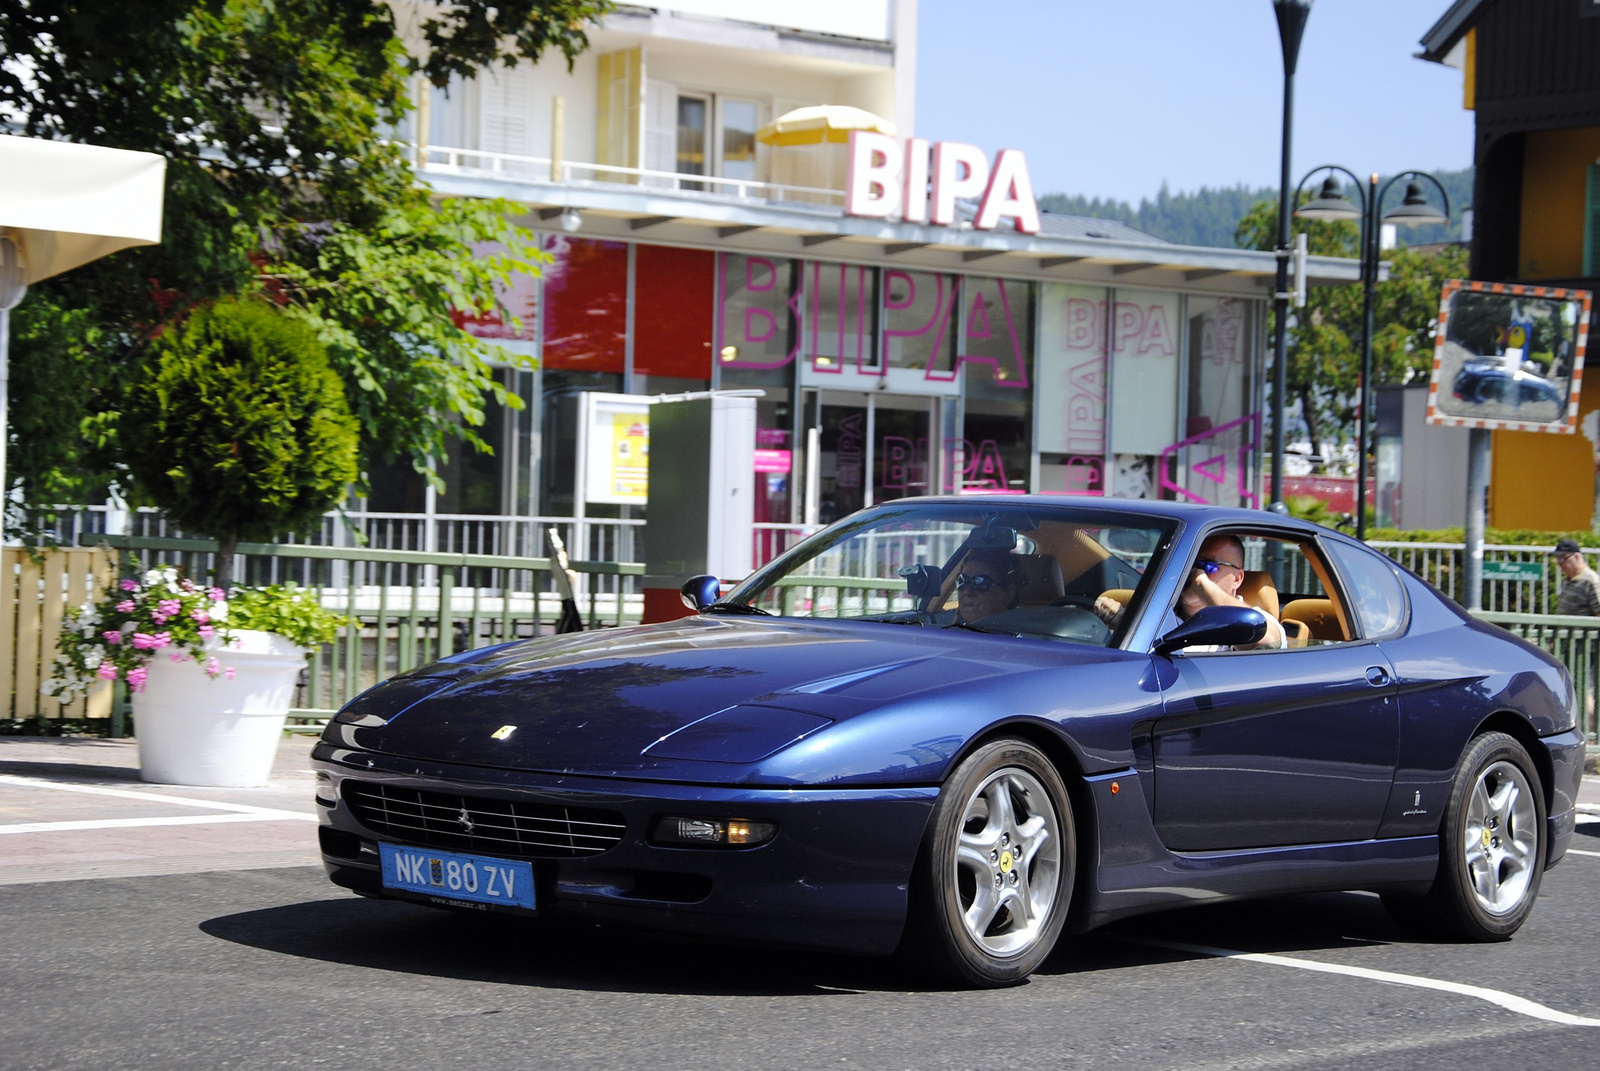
(1491, 848)
(994, 877)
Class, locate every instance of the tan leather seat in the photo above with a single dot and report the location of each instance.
(1039, 580)
(1121, 595)
(1319, 616)
(1259, 591)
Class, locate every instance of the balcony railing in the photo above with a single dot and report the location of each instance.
(446, 160)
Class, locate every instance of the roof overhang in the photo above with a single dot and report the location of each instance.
(822, 232)
(1452, 26)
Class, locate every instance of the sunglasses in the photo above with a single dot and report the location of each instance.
(981, 583)
(1211, 566)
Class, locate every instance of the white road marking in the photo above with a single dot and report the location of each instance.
(1508, 1001)
(135, 823)
(1580, 851)
(154, 797)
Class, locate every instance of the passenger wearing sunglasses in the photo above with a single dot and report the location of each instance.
(987, 584)
(1218, 574)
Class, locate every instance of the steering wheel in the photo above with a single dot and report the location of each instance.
(1083, 601)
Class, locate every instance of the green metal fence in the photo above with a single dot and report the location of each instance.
(409, 607)
(1576, 642)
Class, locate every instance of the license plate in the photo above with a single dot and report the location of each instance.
(453, 876)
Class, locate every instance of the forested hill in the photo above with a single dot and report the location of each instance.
(1209, 216)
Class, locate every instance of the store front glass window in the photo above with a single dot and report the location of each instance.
(1213, 463)
(920, 319)
(586, 305)
(996, 447)
(1144, 398)
(758, 319)
(841, 305)
(1073, 354)
(672, 291)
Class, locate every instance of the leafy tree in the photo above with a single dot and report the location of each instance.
(1210, 216)
(238, 426)
(1325, 336)
(274, 117)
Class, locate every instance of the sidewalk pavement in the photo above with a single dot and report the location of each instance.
(76, 808)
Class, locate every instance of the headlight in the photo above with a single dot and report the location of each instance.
(683, 832)
(327, 792)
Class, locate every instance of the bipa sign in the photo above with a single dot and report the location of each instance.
(885, 181)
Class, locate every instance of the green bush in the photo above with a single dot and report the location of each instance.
(287, 609)
(1521, 537)
(238, 427)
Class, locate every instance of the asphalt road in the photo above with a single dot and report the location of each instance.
(276, 968)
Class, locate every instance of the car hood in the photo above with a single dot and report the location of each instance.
(674, 700)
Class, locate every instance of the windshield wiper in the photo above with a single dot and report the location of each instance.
(736, 608)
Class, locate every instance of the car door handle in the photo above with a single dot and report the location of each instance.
(1377, 676)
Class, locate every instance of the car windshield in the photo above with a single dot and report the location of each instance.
(1035, 572)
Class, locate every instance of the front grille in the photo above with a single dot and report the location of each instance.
(506, 828)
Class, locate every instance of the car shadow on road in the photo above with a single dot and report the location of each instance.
(410, 939)
(1283, 925)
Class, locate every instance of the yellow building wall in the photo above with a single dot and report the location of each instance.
(1543, 481)
(1555, 170)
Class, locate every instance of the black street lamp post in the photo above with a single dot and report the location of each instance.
(1332, 204)
(1292, 15)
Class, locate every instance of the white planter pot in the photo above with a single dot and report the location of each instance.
(199, 730)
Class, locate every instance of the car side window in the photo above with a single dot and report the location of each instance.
(1379, 597)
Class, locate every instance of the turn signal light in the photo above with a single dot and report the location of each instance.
(680, 832)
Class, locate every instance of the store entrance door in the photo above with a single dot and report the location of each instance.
(875, 447)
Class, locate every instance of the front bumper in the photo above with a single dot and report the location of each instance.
(1565, 752)
(835, 876)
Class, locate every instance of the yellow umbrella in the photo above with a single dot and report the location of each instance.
(820, 123)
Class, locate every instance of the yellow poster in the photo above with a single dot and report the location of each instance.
(630, 456)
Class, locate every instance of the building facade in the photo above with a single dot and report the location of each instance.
(688, 252)
(1531, 76)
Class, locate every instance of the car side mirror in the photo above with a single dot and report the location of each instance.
(1216, 626)
(698, 592)
(923, 581)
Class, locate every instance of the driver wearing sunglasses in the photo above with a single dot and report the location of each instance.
(987, 584)
(1217, 577)
(1218, 574)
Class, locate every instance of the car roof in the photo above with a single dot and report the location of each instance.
(1190, 513)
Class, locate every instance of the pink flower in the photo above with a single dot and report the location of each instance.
(206, 632)
(200, 616)
(177, 656)
(160, 619)
(146, 641)
(136, 678)
(186, 584)
(213, 667)
(106, 672)
(125, 606)
(227, 674)
(112, 636)
(170, 607)
(129, 585)
(217, 594)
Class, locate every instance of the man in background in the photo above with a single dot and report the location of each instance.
(1580, 587)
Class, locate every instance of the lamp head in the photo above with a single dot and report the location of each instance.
(1415, 209)
(1329, 204)
(571, 220)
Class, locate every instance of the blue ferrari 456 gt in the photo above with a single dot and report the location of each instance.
(954, 726)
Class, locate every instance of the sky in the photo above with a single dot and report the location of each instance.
(1109, 98)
